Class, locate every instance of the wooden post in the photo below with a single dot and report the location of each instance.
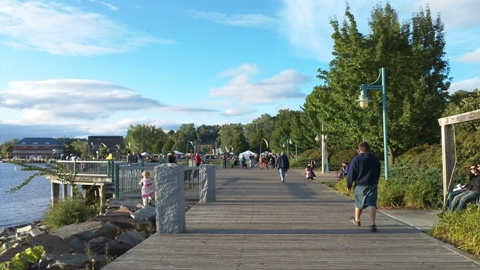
(55, 192)
(447, 161)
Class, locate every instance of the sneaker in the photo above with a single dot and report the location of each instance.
(354, 222)
(373, 228)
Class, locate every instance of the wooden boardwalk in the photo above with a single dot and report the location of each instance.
(259, 223)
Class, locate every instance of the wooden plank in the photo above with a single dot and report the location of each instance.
(259, 223)
(460, 118)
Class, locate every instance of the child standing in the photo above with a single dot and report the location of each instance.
(147, 188)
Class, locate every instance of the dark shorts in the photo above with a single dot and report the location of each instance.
(366, 196)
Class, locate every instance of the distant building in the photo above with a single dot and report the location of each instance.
(113, 143)
(37, 148)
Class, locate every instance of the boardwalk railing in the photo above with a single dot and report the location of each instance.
(123, 175)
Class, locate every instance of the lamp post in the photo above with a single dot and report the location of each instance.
(363, 102)
(296, 149)
(323, 138)
(290, 141)
(190, 142)
(286, 143)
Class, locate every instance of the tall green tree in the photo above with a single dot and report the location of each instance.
(462, 102)
(207, 134)
(227, 135)
(7, 148)
(287, 131)
(417, 82)
(81, 148)
(144, 138)
(264, 125)
(240, 143)
(185, 133)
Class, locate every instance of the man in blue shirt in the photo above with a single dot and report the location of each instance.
(364, 171)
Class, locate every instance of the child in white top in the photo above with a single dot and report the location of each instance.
(147, 189)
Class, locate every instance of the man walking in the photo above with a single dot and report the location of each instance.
(364, 171)
(283, 165)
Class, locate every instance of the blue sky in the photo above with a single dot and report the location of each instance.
(88, 67)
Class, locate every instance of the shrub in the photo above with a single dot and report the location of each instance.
(25, 259)
(459, 229)
(390, 194)
(341, 156)
(67, 211)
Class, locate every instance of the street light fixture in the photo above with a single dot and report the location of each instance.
(363, 102)
(323, 138)
(286, 143)
(290, 141)
(296, 148)
(192, 146)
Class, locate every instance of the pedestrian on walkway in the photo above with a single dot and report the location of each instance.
(148, 190)
(364, 172)
(198, 159)
(283, 165)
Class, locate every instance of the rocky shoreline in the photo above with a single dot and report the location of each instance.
(91, 244)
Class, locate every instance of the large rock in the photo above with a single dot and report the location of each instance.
(87, 230)
(124, 224)
(77, 234)
(132, 238)
(65, 261)
(105, 246)
(51, 243)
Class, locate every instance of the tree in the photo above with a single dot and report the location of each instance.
(462, 102)
(287, 129)
(186, 133)
(240, 143)
(144, 138)
(7, 148)
(207, 134)
(80, 147)
(259, 130)
(168, 147)
(417, 78)
(228, 133)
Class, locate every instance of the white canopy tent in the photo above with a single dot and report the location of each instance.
(247, 154)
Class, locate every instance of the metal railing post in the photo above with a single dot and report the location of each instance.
(116, 180)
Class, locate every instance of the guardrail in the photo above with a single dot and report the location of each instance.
(124, 175)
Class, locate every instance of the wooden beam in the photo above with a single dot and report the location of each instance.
(447, 160)
(459, 118)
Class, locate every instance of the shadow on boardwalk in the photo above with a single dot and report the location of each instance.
(259, 222)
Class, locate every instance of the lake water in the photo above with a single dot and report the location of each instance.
(25, 205)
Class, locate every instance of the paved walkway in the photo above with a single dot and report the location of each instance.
(260, 223)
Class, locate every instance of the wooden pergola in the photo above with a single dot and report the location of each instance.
(446, 124)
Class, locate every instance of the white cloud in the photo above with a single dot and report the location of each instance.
(461, 13)
(65, 30)
(240, 89)
(471, 57)
(467, 85)
(242, 20)
(44, 101)
(306, 25)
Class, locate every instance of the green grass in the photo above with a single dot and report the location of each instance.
(460, 229)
